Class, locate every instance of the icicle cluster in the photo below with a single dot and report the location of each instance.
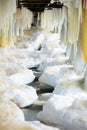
(7, 7)
(47, 19)
(70, 22)
(12, 22)
(52, 20)
(22, 19)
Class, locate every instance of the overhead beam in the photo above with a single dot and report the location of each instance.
(37, 1)
(34, 3)
(32, 6)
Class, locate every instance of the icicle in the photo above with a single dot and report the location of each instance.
(42, 20)
(72, 24)
(64, 25)
(78, 5)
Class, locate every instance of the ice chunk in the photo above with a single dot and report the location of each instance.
(22, 78)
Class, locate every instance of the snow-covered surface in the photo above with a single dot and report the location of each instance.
(22, 96)
(66, 107)
(52, 74)
(68, 113)
(12, 118)
(16, 59)
(52, 62)
(56, 104)
(70, 88)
